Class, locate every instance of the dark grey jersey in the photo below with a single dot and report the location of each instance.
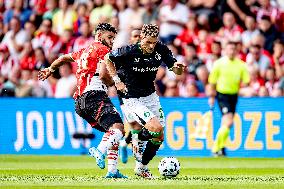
(137, 70)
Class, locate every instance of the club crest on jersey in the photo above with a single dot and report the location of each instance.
(157, 56)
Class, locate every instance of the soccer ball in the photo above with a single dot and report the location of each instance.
(169, 167)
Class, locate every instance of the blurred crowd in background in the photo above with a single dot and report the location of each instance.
(33, 33)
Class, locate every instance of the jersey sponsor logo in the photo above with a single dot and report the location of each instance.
(147, 69)
(147, 60)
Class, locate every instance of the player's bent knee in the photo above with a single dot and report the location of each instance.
(119, 126)
(229, 120)
(135, 125)
(154, 125)
(157, 141)
(160, 137)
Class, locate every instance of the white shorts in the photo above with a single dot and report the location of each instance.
(127, 114)
(143, 109)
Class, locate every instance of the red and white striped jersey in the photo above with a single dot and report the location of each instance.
(88, 60)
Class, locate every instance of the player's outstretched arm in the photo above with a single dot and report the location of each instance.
(45, 73)
(178, 68)
(112, 72)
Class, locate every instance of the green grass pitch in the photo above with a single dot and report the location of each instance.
(82, 172)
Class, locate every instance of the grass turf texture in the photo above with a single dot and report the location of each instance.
(82, 172)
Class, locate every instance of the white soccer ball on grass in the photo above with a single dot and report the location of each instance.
(169, 167)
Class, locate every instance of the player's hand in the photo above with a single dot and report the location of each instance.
(211, 102)
(44, 74)
(121, 87)
(179, 68)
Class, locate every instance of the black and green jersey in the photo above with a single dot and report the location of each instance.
(138, 70)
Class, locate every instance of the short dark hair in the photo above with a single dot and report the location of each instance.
(105, 27)
(16, 18)
(266, 17)
(150, 30)
(136, 28)
(278, 41)
(232, 43)
(48, 19)
(256, 46)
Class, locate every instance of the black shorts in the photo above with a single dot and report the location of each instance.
(227, 103)
(97, 109)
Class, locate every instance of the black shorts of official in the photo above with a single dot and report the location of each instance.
(227, 103)
(97, 109)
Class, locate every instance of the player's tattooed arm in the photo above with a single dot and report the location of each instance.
(104, 75)
(45, 73)
(112, 72)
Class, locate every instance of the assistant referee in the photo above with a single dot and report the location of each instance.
(225, 79)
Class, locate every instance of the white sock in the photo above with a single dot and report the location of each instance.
(102, 146)
(139, 165)
(122, 143)
(112, 159)
(109, 139)
(138, 147)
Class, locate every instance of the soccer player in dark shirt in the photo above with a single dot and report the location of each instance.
(91, 100)
(133, 68)
(137, 146)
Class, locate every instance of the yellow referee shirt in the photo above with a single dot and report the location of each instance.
(228, 74)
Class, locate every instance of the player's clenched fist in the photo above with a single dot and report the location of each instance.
(178, 68)
(44, 74)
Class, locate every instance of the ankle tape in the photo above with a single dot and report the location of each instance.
(156, 142)
(135, 131)
(155, 134)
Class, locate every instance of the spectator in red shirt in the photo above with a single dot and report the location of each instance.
(231, 30)
(28, 59)
(256, 82)
(188, 35)
(271, 83)
(39, 9)
(278, 58)
(85, 38)
(8, 63)
(67, 41)
(216, 49)
(47, 40)
(203, 44)
(15, 38)
(266, 9)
